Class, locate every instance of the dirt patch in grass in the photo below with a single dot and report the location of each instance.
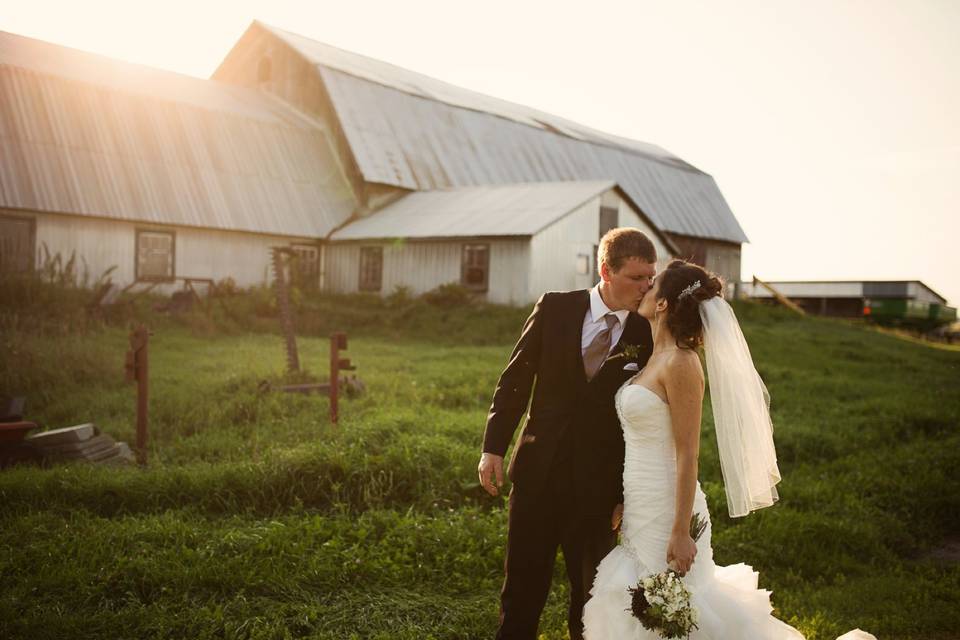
(947, 554)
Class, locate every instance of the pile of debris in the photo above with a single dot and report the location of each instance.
(82, 442)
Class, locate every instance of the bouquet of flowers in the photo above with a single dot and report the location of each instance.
(661, 602)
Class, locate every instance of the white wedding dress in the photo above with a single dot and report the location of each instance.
(730, 605)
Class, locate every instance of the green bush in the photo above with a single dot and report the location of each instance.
(449, 296)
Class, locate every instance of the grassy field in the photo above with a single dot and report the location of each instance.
(257, 519)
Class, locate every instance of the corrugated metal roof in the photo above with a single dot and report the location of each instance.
(421, 85)
(415, 132)
(83, 66)
(503, 210)
(84, 134)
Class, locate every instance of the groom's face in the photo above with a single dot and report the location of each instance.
(625, 286)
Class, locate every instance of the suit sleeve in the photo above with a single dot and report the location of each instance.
(512, 395)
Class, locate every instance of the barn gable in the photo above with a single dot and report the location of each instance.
(408, 131)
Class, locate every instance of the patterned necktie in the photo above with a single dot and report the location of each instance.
(598, 349)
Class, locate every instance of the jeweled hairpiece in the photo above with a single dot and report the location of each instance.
(689, 290)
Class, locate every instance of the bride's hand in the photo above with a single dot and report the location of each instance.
(680, 552)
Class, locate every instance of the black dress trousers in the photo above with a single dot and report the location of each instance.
(538, 525)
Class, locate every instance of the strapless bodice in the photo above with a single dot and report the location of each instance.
(643, 414)
(649, 473)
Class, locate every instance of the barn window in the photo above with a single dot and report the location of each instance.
(17, 239)
(264, 69)
(608, 219)
(155, 255)
(306, 266)
(475, 267)
(583, 264)
(371, 268)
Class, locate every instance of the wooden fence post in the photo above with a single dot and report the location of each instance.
(338, 342)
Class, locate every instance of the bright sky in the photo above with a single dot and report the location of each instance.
(831, 127)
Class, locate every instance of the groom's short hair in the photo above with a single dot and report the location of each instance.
(622, 243)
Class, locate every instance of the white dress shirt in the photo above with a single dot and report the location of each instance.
(593, 322)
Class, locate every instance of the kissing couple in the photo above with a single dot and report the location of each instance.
(611, 446)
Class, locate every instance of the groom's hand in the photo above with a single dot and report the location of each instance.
(491, 465)
(617, 517)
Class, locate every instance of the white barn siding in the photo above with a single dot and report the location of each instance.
(554, 251)
(918, 291)
(198, 253)
(913, 290)
(807, 289)
(425, 265)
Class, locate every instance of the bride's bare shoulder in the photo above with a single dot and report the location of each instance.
(684, 364)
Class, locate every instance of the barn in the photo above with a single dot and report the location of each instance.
(376, 176)
(164, 177)
(399, 132)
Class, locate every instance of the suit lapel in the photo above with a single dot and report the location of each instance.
(575, 331)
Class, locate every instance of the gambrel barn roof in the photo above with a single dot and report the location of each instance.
(84, 134)
(410, 131)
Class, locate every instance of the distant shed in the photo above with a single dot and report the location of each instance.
(896, 301)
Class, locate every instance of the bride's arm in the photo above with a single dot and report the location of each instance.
(683, 380)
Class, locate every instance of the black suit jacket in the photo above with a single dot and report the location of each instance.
(572, 422)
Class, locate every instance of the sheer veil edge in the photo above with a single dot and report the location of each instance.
(741, 412)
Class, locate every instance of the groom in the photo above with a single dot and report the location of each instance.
(567, 465)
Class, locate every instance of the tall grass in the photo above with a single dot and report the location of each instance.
(258, 519)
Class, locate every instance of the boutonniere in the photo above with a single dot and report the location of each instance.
(630, 355)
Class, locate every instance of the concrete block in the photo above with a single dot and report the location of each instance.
(97, 442)
(66, 435)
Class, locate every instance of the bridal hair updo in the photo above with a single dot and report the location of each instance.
(683, 309)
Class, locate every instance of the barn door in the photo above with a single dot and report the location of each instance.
(17, 239)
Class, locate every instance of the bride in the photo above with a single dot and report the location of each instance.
(659, 410)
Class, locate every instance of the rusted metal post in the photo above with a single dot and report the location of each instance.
(138, 370)
(280, 257)
(338, 342)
